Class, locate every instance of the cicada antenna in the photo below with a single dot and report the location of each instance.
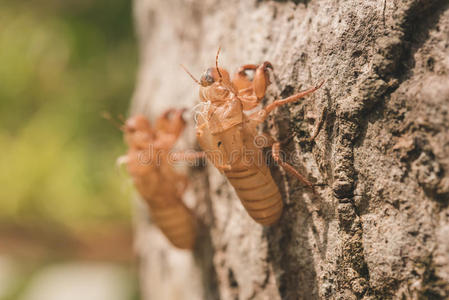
(190, 74)
(121, 118)
(106, 115)
(219, 73)
(216, 64)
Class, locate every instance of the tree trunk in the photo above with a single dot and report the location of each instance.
(380, 227)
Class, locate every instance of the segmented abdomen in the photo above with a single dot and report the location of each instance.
(259, 194)
(176, 221)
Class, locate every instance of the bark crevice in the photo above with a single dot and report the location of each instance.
(380, 227)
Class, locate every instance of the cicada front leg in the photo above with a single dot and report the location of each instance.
(262, 114)
(250, 92)
(269, 108)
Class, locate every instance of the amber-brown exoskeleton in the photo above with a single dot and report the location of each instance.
(150, 163)
(227, 132)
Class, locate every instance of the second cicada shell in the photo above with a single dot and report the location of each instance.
(156, 180)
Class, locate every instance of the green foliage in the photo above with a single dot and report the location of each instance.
(63, 63)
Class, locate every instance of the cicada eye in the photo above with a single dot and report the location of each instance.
(207, 78)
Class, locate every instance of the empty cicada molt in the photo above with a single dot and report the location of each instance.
(150, 163)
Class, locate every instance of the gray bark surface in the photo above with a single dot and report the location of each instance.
(380, 229)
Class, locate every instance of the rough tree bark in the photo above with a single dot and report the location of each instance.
(380, 229)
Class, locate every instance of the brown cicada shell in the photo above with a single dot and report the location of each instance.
(149, 162)
(229, 136)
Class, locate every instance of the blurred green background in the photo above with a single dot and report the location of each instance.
(63, 63)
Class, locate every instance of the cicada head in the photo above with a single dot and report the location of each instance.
(213, 75)
(216, 85)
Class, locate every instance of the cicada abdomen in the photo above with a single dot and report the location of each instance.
(232, 149)
(177, 223)
(259, 194)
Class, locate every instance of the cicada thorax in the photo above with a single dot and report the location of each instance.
(229, 140)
